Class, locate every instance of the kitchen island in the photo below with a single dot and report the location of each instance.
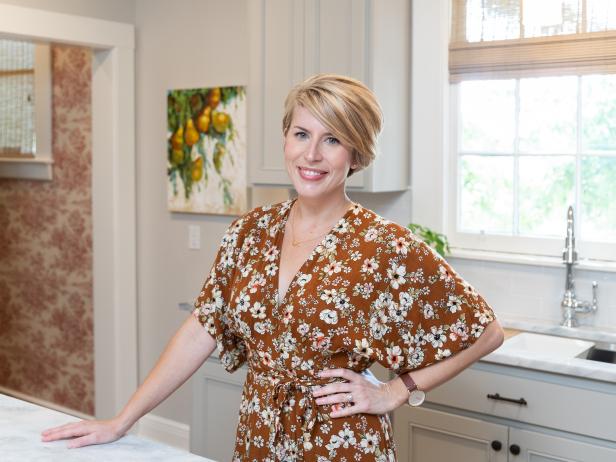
(21, 424)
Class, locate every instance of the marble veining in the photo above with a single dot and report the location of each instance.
(21, 424)
(577, 367)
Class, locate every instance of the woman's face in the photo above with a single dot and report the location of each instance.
(316, 161)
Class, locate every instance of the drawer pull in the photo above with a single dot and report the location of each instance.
(497, 445)
(496, 396)
(514, 449)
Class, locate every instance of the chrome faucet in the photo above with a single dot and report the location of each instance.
(570, 304)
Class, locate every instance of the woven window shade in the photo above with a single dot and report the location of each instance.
(16, 99)
(501, 39)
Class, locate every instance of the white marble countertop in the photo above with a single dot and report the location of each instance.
(597, 334)
(21, 424)
(537, 360)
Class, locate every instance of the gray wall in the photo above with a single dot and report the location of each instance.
(184, 44)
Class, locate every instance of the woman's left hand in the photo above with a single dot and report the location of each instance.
(367, 395)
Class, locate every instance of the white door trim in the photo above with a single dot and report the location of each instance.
(113, 187)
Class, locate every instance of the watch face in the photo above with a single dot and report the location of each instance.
(417, 398)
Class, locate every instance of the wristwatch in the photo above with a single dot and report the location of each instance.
(416, 396)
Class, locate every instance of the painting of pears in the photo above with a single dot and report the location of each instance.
(206, 150)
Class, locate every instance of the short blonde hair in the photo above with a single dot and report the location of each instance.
(346, 107)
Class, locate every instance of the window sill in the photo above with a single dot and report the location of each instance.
(26, 169)
(533, 260)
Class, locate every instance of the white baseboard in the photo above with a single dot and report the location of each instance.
(165, 431)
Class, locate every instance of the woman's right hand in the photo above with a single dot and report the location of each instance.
(185, 353)
(87, 432)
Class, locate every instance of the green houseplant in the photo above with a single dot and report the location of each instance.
(435, 240)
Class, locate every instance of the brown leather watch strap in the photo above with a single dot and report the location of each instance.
(408, 381)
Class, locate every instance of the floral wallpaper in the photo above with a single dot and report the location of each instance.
(46, 328)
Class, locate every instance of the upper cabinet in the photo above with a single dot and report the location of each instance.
(293, 39)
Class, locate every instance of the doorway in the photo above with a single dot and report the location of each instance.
(113, 188)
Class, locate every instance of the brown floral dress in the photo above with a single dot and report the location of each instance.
(370, 291)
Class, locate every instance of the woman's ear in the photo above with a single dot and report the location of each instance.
(354, 163)
(353, 168)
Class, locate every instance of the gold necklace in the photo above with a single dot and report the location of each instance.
(295, 243)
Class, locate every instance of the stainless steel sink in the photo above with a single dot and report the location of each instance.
(602, 352)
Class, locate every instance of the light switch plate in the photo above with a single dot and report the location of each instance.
(194, 237)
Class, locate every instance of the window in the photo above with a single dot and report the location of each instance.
(17, 137)
(533, 107)
(25, 110)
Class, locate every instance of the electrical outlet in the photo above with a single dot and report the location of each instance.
(194, 237)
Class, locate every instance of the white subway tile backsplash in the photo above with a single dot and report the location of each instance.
(484, 276)
(535, 291)
(518, 305)
(467, 269)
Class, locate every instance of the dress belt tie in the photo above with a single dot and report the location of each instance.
(283, 384)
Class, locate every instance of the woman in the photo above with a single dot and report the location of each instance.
(310, 292)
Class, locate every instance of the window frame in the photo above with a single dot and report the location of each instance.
(525, 245)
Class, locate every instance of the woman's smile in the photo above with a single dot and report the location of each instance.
(310, 174)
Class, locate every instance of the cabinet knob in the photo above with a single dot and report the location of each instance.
(497, 445)
(514, 449)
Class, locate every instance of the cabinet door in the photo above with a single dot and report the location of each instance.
(216, 397)
(276, 64)
(539, 447)
(336, 37)
(426, 435)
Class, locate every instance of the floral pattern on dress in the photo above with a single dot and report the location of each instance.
(370, 291)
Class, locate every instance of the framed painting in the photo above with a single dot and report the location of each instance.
(206, 150)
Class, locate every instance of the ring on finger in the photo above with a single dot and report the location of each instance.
(350, 397)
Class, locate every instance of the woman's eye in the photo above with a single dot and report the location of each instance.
(300, 135)
(332, 140)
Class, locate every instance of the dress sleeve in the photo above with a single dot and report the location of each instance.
(427, 313)
(212, 308)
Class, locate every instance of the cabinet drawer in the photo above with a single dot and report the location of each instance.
(564, 407)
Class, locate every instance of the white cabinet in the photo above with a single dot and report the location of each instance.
(551, 400)
(216, 403)
(293, 39)
(497, 413)
(427, 435)
(539, 447)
